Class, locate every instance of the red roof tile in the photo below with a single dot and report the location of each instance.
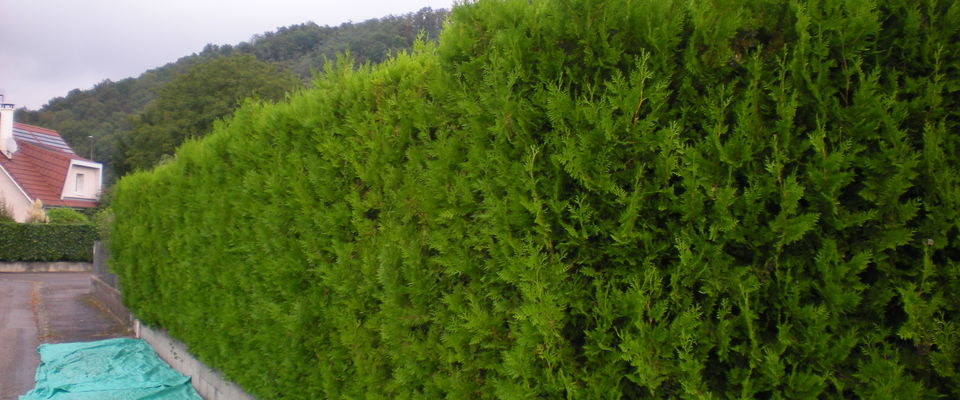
(40, 168)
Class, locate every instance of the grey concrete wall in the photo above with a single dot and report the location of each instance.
(209, 383)
(111, 299)
(45, 267)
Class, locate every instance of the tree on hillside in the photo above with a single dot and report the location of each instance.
(188, 106)
(374, 40)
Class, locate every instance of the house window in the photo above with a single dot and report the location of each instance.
(79, 185)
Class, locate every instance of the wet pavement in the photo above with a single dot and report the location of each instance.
(40, 308)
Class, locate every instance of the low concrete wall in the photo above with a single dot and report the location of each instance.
(111, 299)
(46, 267)
(209, 383)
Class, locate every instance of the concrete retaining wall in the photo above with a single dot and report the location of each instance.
(209, 383)
(46, 267)
(111, 299)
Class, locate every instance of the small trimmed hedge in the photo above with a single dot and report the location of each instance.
(67, 216)
(47, 242)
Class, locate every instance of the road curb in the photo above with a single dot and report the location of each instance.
(45, 267)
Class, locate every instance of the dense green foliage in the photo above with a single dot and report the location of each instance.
(47, 242)
(66, 216)
(305, 48)
(581, 199)
(103, 221)
(188, 106)
(109, 111)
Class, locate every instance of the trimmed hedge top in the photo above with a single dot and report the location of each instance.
(46, 242)
(580, 199)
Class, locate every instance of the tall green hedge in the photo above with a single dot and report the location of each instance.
(46, 242)
(581, 199)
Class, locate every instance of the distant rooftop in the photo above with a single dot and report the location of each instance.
(41, 136)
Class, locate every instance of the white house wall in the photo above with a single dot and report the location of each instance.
(13, 196)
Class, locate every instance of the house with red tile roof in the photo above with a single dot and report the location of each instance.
(37, 164)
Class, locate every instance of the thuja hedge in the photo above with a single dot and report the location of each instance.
(46, 242)
(581, 199)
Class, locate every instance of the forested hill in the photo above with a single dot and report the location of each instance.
(110, 111)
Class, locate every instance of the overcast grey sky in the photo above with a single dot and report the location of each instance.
(49, 47)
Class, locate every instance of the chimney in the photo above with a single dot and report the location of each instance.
(8, 145)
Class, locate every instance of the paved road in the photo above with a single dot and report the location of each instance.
(45, 308)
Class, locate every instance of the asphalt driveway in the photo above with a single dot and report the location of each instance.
(52, 307)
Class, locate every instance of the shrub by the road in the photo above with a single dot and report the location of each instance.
(46, 242)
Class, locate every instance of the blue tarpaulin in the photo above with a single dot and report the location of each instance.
(105, 370)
